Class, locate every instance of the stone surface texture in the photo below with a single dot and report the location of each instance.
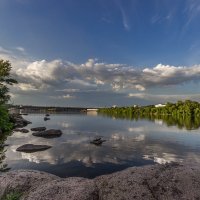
(163, 182)
(51, 133)
(18, 120)
(23, 130)
(38, 129)
(30, 148)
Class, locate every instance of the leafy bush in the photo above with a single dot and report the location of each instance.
(13, 196)
(5, 124)
(5, 80)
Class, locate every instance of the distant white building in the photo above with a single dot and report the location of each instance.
(92, 111)
(160, 105)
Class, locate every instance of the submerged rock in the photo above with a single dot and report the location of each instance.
(97, 141)
(38, 129)
(46, 118)
(170, 181)
(30, 148)
(51, 133)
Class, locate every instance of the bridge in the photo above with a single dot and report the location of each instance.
(51, 109)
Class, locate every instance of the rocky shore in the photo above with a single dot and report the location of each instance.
(169, 181)
(18, 121)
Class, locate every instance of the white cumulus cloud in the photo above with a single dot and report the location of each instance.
(65, 77)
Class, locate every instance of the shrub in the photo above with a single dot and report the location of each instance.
(5, 124)
(13, 196)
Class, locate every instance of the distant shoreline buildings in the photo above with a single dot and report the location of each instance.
(160, 105)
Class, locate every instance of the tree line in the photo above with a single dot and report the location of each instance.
(182, 113)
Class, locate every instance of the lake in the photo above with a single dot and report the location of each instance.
(128, 143)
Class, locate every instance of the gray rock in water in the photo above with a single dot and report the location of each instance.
(97, 141)
(38, 129)
(19, 121)
(46, 118)
(21, 130)
(30, 148)
(51, 133)
(24, 130)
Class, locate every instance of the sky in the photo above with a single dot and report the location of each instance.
(95, 53)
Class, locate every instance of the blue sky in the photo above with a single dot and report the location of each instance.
(131, 34)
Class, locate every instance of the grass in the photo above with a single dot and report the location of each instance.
(13, 196)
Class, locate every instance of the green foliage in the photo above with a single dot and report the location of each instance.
(5, 124)
(3, 166)
(183, 114)
(13, 196)
(5, 80)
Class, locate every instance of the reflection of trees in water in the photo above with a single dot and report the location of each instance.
(183, 114)
(3, 167)
(188, 122)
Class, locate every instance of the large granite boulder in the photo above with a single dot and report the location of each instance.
(22, 181)
(51, 133)
(30, 148)
(170, 181)
(65, 189)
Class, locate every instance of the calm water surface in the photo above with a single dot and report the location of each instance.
(128, 143)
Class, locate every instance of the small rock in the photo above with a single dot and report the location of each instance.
(30, 148)
(48, 134)
(97, 141)
(46, 118)
(47, 115)
(21, 130)
(38, 129)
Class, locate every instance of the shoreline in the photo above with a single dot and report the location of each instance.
(168, 181)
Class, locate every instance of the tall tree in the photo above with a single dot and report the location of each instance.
(5, 80)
